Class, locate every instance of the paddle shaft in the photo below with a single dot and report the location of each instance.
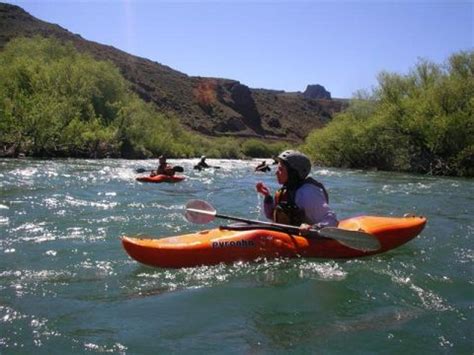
(352, 239)
(177, 168)
(283, 227)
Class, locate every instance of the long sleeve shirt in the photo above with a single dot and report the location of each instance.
(312, 201)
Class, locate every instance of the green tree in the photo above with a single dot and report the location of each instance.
(421, 122)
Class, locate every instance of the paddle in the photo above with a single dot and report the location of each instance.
(199, 167)
(178, 169)
(263, 169)
(198, 211)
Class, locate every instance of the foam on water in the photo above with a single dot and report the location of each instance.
(330, 271)
(63, 266)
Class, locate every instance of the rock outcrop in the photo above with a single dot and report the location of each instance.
(316, 92)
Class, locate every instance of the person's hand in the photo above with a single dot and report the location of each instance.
(305, 227)
(261, 188)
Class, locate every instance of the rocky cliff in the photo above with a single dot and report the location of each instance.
(211, 106)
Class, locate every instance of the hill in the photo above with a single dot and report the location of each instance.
(210, 106)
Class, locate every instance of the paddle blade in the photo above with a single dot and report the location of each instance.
(198, 211)
(178, 169)
(140, 170)
(352, 239)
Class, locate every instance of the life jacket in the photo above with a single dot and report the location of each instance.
(286, 211)
(165, 170)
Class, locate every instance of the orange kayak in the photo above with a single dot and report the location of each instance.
(220, 245)
(160, 178)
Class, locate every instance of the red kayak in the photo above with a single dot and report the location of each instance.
(210, 247)
(161, 178)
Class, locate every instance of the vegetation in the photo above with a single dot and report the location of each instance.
(420, 122)
(56, 102)
(256, 148)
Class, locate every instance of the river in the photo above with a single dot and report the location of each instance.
(67, 286)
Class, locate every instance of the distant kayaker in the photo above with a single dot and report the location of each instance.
(163, 168)
(262, 167)
(202, 164)
(301, 201)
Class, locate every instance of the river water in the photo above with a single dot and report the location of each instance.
(67, 286)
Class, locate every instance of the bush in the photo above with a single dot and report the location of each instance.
(55, 101)
(421, 122)
(257, 148)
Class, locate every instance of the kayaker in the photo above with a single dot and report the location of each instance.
(163, 168)
(202, 164)
(262, 167)
(301, 201)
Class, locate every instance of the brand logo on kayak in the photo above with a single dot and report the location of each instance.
(236, 243)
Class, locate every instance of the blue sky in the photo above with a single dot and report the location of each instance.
(281, 45)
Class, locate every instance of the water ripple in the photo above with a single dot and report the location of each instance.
(68, 286)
